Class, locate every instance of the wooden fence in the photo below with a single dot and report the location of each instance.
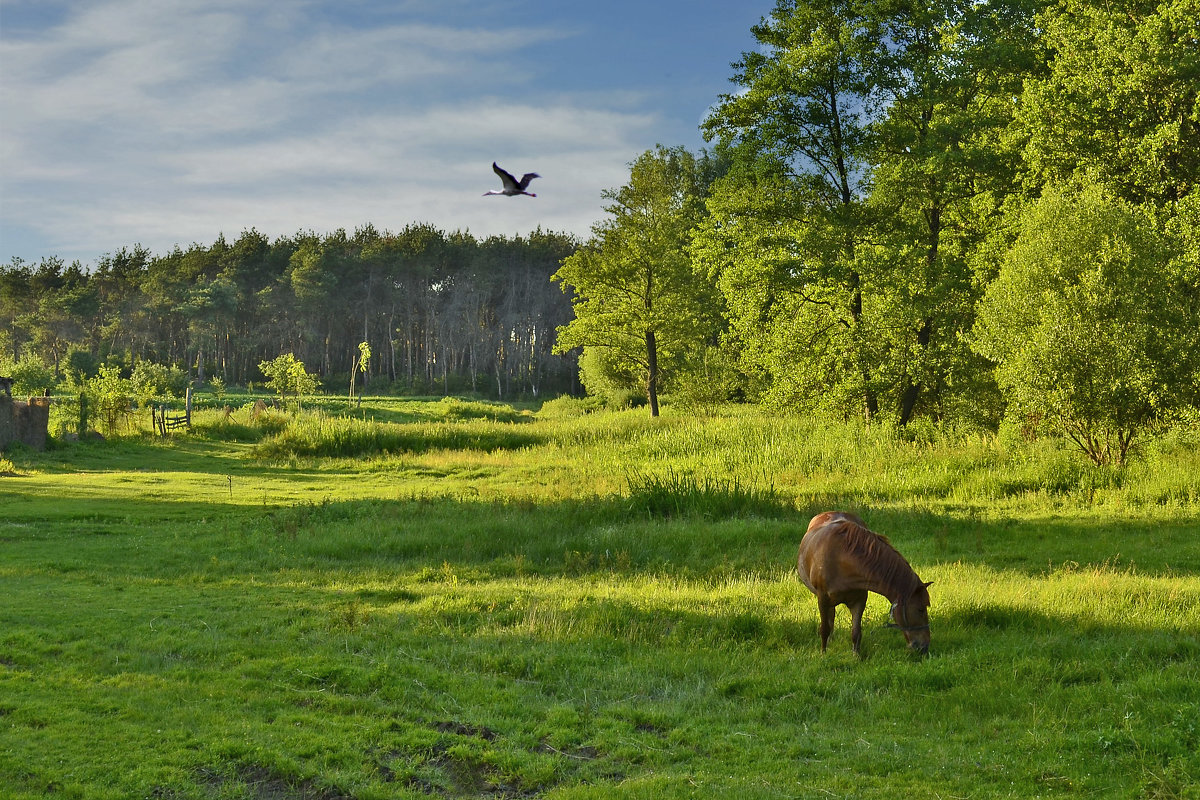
(165, 420)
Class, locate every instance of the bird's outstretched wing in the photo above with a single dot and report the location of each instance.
(510, 183)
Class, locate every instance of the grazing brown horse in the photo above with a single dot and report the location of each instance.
(840, 560)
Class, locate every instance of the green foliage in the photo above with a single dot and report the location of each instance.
(81, 364)
(217, 386)
(453, 408)
(157, 382)
(108, 397)
(362, 363)
(566, 407)
(1118, 102)
(287, 375)
(225, 306)
(867, 146)
(710, 380)
(606, 377)
(321, 436)
(31, 375)
(1086, 323)
(688, 495)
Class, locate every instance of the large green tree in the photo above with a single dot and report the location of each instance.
(635, 294)
(786, 228)
(940, 170)
(867, 138)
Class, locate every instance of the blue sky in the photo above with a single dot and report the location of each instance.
(173, 121)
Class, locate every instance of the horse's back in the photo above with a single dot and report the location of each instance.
(817, 559)
(827, 517)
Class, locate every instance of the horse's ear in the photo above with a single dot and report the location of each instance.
(927, 585)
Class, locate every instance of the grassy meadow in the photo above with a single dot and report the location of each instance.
(458, 599)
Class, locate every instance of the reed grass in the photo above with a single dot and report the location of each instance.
(319, 436)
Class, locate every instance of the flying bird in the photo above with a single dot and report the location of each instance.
(512, 185)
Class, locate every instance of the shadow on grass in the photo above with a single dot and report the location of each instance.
(721, 533)
(272, 455)
(1043, 545)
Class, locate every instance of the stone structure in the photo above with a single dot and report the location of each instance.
(24, 422)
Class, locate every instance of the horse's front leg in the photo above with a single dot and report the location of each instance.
(827, 608)
(857, 605)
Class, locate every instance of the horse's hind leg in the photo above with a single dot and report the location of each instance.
(827, 607)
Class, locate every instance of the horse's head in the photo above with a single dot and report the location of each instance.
(911, 616)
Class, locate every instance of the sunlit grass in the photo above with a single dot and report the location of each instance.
(434, 599)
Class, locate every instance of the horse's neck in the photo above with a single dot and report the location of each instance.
(897, 583)
(881, 568)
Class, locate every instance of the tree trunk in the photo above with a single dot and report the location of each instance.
(908, 400)
(856, 310)
(652, 373)
(392, 344)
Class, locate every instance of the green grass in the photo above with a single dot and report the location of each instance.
(420, 600)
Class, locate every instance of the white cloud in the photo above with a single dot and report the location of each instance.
(165, 123)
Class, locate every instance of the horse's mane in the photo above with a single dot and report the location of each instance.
(874, 550)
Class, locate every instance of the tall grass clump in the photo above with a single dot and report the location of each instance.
(455, 409)
(677, 494)
(566, 407)
(320, 436)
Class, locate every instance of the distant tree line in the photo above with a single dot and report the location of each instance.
(441, 312)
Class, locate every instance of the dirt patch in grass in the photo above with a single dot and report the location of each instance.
(263, 783)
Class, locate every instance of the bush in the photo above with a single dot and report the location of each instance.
(287, 375)
(1086, 325)
(453, 408)
(81, 365)
(108, 397)
(708, 382)
(157, 382)
(603, 377)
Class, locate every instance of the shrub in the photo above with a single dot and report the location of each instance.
(156, 382)
(108, 397)
(566, 407)
(286, 375)
(453, 408)
(1086, 325)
